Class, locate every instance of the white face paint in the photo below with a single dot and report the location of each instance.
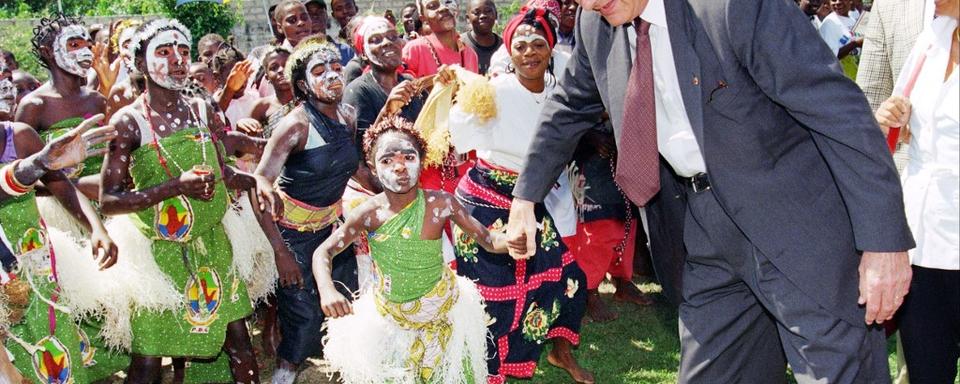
(375, 26)
(8, 96)
(529, 39)
(394, 150)
(321, 84)
(124, 42)
(72, 61)
(159, 67)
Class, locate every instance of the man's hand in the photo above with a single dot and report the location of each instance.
(106, 74)
(522, 229)
(237, 79)
(884, 281)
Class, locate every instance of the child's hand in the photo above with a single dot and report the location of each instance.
(333, 304)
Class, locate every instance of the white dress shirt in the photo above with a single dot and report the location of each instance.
(931, 182)
(675, 136)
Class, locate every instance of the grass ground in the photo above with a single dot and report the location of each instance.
(640, 347)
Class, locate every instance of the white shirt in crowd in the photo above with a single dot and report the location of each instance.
(675, 137)
(931, 182)
(835, 30)
(505, 140)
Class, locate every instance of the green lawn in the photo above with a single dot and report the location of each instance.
(641, 347)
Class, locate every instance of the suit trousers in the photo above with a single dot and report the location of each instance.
(742, 320)
(930, 326)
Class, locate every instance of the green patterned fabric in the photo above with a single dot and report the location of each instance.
(68, 353)
(408, 266)
(90, 166)
(189, 240)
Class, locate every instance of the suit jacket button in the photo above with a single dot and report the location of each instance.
(696, 80)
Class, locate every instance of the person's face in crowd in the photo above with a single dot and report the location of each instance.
(8, 94)
(530, 52)
(810, 7)
(840, 7)
(102, 37)
(201, 75)
(208, 49)
(568, 16)
(440, 15)
(616, 12)
(168, 59)
(275, 62)
(824, 10)
(397, 162)
(343, 11)
(408, 16)
(482, 15)
(318, 17)
(7, 60)
(388, 14)
(324, 78)
(25, 84)
(295, 22)
(71, 50)
(949, 8)
(383, 47)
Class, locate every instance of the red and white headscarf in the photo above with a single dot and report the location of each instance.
(530, 16)
(365, 29)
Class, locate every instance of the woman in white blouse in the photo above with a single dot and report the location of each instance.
(927, 102)
(547, 291)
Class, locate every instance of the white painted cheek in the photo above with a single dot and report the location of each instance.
(413, 169)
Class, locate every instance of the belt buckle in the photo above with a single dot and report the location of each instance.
(699, 183)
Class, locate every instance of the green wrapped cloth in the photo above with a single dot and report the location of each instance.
(47, 345)
(191, 247)
(90, 166)
(409, 267)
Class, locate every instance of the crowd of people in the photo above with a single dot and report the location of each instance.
(417, 201)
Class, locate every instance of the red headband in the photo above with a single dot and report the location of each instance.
(539, 15)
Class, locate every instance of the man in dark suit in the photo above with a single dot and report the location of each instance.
(766, 181)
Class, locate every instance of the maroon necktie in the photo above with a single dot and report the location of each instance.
(638, 159)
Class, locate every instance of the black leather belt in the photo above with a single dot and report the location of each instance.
(697, 183)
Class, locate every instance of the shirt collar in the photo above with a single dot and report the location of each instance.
(655, 13)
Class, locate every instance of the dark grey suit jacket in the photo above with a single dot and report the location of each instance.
(791, 147)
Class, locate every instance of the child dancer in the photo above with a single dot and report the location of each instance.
(421, 323)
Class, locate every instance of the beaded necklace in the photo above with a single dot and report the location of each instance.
(163, 154)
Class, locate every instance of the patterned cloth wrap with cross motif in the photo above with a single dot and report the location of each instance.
(47, 344)
(421, 324)
(191, 247)
(530, 300)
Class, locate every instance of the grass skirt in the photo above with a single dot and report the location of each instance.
(368, 347)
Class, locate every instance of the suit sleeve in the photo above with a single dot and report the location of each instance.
(806, 79)
(574, 107)
(875, 76)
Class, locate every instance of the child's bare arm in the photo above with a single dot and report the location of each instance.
(494, 242)
(332, 302)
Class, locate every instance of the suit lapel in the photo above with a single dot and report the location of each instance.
(617, 80)
(687, 63)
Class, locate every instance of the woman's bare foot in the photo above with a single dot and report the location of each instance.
(561, 356)
(597, 310)
(628, 292)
